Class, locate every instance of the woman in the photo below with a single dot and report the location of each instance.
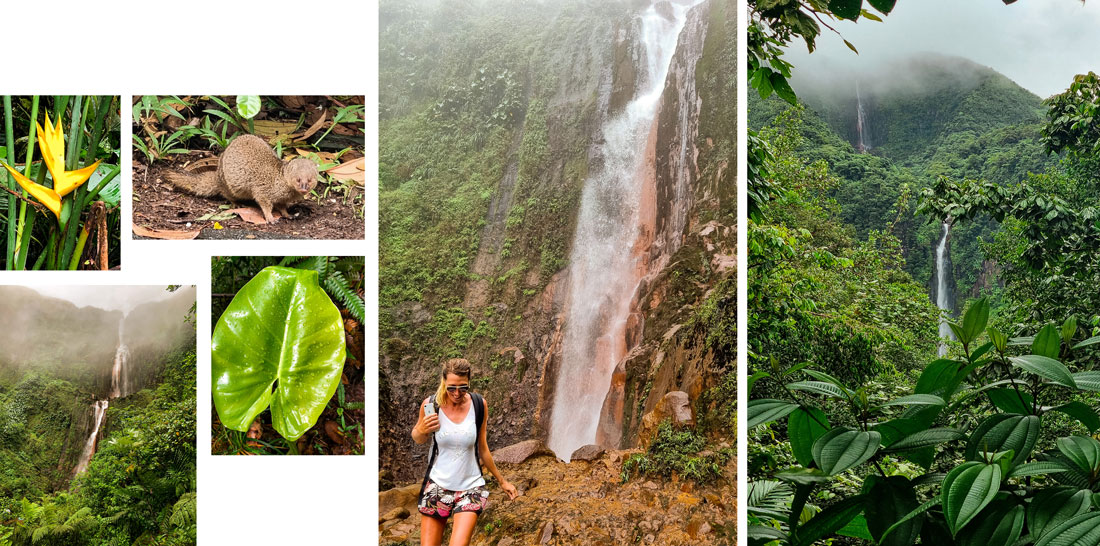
(455, 420)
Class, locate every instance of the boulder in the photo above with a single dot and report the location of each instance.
(401, 512)
(675, 407)
(398, 497)
(517, 453)
(589, 452)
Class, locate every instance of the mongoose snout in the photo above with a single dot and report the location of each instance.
(303, 173)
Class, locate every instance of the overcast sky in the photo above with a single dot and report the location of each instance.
(122, 298)
(1039, 44)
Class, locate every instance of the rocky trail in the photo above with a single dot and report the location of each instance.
(582, 502)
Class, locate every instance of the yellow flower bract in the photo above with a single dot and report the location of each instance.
(51, 141)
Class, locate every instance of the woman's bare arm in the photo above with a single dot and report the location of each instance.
(487, 457)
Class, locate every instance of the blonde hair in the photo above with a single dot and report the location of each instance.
(454, 366)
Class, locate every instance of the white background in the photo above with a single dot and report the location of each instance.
(228, 48)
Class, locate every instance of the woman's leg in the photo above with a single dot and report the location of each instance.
(431, 530)
(463, 528)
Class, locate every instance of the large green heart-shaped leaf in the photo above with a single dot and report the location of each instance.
(279, 343)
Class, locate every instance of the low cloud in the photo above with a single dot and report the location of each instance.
(1039, 44)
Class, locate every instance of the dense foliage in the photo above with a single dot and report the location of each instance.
(139, 487)
(981, 429)
(816, 292)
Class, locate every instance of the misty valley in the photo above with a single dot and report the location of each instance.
(923, 314)
(97, 417)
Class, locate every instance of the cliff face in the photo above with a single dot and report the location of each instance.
(507, 315)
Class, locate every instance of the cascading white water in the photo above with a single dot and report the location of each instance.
(943, 294)
(120, 373)
(89, 446)
(603, 264)
(120, 386)
(861, 124)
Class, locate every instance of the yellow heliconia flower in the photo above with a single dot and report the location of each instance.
(51, 141)
(45, 195)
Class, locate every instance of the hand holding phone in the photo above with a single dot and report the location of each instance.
(430, 422)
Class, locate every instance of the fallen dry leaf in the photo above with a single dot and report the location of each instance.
(293, 102)
(315, 127)
(252, 215)
(164, 233)
(352, 170)
(333, 432)
(324, 157)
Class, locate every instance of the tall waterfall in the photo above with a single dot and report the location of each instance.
(120, 372)
(100, 408)
(120, 386)
(943, 290)
(862, 132)
(604, 270)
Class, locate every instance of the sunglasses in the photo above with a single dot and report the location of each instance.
(458, 388)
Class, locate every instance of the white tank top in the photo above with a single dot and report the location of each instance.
(455, 467)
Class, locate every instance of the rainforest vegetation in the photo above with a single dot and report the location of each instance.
(862, 428)
(139, 486)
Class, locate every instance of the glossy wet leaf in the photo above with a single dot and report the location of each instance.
(280, 342)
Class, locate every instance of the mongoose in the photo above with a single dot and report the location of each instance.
(248, 169)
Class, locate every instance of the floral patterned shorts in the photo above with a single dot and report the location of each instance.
(441, 503)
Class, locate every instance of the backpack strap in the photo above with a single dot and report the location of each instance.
(479, 417)
(431, 451)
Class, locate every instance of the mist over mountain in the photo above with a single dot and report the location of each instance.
(78, 343)
(924, 116)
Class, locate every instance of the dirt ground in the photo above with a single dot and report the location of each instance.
(159, 206)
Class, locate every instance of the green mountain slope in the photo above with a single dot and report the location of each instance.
(925, 117)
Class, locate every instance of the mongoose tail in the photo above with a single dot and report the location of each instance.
(202, 185)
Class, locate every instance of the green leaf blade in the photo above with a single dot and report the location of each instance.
(280, 342)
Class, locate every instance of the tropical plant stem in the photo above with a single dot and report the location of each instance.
(75, 261)
(292, 447)
(26, 169)
(72, 160)
(9, 141)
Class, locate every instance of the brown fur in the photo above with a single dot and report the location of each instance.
(248, 169)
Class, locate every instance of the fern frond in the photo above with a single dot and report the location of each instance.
(183, 513)
(337, 286)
